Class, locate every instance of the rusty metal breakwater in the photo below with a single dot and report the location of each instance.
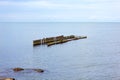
(56, 40)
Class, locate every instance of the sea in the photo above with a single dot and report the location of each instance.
(95, 58)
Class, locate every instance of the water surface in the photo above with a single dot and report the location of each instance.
(94, 58)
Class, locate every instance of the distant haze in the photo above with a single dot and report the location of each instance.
(59, 10)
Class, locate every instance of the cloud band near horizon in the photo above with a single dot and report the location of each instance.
(64, 10)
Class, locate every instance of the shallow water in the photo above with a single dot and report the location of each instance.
(94, 58)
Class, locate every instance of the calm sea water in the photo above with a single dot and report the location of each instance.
(94, 58)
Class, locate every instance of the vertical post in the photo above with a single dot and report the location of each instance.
(55, 40)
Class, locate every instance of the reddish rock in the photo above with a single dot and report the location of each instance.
(18, 69)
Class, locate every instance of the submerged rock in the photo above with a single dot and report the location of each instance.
(21, 69)
(18, 69)
(38, 70)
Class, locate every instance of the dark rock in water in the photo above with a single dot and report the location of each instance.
(38, 70)
(21, 69)
(18, 69)
(7, 79)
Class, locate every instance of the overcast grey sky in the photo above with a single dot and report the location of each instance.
(59, 10)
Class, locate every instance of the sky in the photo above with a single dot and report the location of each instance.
(59, 10)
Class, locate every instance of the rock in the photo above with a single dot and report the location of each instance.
(21, 69)
(38, 70)
(18, 69)
(7, 79)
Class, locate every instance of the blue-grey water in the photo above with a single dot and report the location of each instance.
(94, 58)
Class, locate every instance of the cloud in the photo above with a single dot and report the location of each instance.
(44, 4)
(84, 4)
(27, 3)
(58, 17)
(101, 4)
(60, 10)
